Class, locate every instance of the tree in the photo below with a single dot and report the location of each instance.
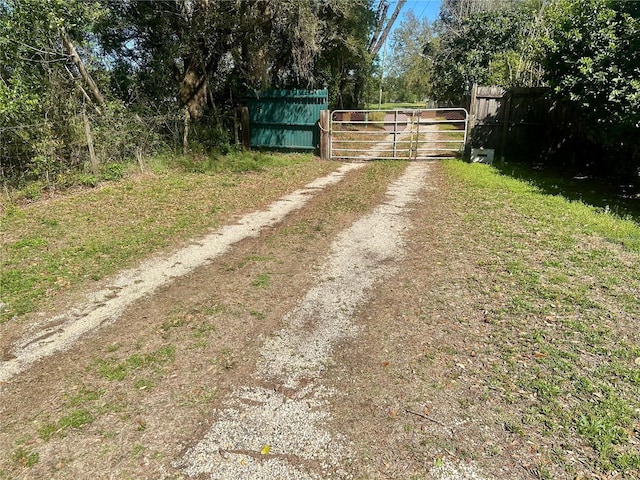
(218, 50)
(484, 45)
(410, 68)
(383, 25)
(591, 56)
(47, 74)
(454, 12)
(130, 62)
(345, 64)
(465, 54)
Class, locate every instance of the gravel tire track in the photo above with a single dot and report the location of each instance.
(266, 433)
(105, 306)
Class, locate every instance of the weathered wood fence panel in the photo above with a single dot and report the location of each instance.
(512, 122)
(524, 123)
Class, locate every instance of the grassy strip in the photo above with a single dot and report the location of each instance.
(56, 244)
(561, 291)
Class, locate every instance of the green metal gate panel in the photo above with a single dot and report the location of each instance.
(286, 119)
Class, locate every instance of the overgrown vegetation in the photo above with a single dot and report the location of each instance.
(88, 88)
(584, 51)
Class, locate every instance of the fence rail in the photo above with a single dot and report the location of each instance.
(397, 134)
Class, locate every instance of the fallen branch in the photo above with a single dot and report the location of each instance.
(427, 417)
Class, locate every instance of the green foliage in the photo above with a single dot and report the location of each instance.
(586, 51)
(84, 396)
(590, 53)
(25, 457)
(409, 76)
(88, 180)
(113, 171)
(152, 62)
(344, 64)
(261, 281)
(38, 102)
(483, 47)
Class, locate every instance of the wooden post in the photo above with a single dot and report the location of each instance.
(185, 133)
(244, 122)
(506, 118)
(92, 152)
(236, 126)
(471, 120)
(325, 135)
(139, 158)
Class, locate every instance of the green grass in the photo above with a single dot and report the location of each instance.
(137, 450)
(80, 410)
(262, 280)
(82, 407)
(48, 248)
(84, 396)
(114, 369)
(75, 419)
(566, 272)
(25, 457)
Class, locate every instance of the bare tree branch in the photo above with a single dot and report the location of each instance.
(376, 43)
(83, 71)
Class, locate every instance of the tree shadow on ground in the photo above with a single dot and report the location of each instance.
(616, 196)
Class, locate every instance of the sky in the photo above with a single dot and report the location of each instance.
(422, 8)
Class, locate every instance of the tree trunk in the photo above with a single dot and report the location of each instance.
(381, 16)
(82, 69)
(92, 152)
(193, 90)
(376, 43)
(185, 134)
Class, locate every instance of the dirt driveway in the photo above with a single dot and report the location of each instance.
(317, 344)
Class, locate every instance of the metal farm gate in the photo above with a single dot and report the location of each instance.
(397, 134)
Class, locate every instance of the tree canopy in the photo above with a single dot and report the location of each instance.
(136, 76)
(486, 43)
(587, 52)
(164, 68)
(591, 57)
(409, 74)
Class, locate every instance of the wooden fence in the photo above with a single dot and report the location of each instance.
(513, 122)
(525, 124)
